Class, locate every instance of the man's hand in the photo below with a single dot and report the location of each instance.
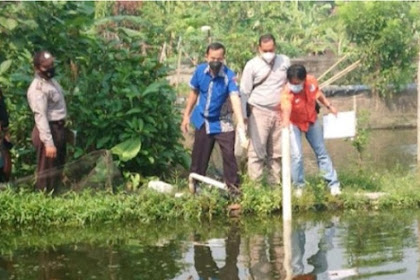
(50, 151)
(191, 101)
(185, 124)
(246, 122)
(243, 140)
(285, 122)
(333, 110)
(7, 136)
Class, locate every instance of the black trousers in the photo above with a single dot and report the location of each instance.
(49, 170)
(202, 148)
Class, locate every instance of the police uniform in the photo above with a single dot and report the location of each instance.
(46, 100)
(4, 116)
(5, 167)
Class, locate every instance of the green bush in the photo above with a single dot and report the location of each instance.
(116, 93)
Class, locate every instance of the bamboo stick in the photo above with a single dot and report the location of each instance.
(332, 67)
(178, 68)
(340, 74)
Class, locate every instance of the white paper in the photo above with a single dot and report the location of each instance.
(341, 126)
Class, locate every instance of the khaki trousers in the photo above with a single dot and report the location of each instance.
(264, 127)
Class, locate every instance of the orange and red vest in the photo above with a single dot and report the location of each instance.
(302, 104)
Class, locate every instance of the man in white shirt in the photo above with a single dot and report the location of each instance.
(262, 82)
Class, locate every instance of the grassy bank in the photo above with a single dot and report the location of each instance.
(31, 209)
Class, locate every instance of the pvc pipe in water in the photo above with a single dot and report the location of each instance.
(204, 179)
(286, 202)
(287, 245)
(286, 177)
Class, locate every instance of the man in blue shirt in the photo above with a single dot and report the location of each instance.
(211, 85)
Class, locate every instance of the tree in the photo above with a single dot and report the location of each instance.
(382, 37)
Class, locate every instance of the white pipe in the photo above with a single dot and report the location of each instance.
(204, 179)
(286, 177)
(287, 243)
(286, 202)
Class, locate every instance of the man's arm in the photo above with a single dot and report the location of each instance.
(4, 116)
(38, 103)
(236, 102)
(324, 101)
(237, 110)
(246, 86)
(247, 81)
(192, 100)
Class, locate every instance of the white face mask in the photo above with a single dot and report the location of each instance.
(295, 88)
(268, 56)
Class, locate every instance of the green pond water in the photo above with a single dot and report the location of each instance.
(385, 150)
(377, 245)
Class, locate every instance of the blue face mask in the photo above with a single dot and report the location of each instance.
(295, 88)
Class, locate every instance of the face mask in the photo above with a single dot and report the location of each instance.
(215, 66)
(295, 88)
(268, 56)
(50, 73)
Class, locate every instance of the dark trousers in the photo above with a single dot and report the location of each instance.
(207, 268)
(203, 146)
(49, 170)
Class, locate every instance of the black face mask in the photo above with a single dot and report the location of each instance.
(215, 66)
(49, 73)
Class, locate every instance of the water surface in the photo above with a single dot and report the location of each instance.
(374, 245)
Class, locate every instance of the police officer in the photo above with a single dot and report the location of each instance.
(6, 145)
(46, 100)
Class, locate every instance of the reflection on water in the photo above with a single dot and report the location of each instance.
(321, 240)
(204, 264)
(372, 245)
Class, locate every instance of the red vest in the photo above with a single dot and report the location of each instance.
(303, 104)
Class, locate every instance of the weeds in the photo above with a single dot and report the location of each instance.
(28, 209)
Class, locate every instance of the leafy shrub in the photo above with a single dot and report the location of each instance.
(115, 90)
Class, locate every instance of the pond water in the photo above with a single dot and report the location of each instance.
(385, 150)
(377, 245)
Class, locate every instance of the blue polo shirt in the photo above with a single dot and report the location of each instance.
(211, 109)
